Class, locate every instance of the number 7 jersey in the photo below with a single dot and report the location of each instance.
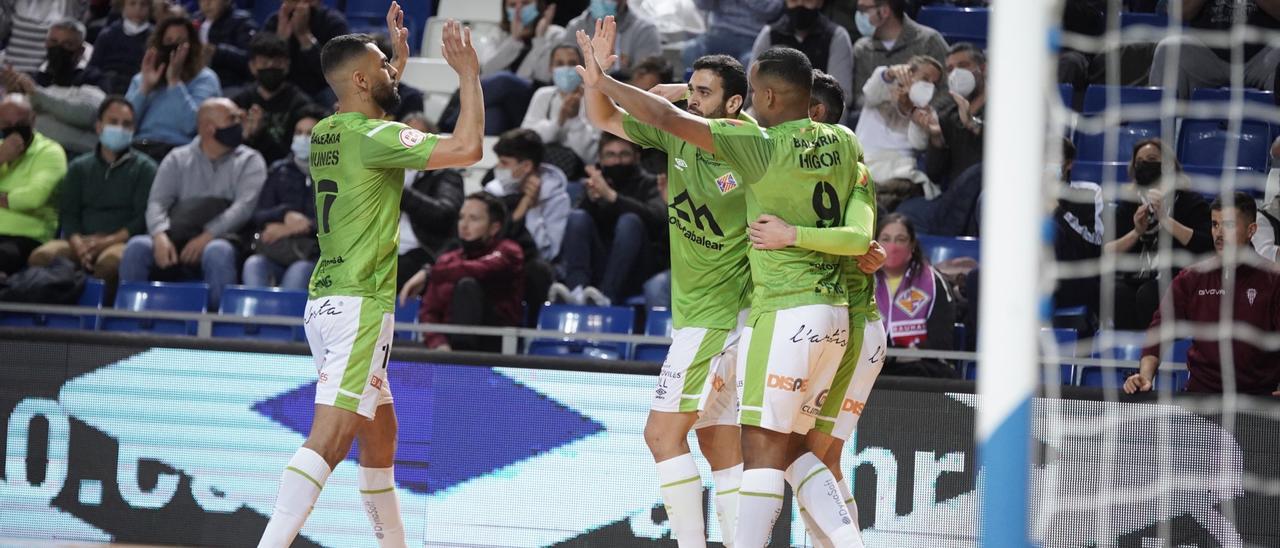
(357, 165)
(803, 172)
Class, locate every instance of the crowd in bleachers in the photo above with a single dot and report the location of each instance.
(154, 140)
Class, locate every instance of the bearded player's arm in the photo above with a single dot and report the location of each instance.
(465, 146)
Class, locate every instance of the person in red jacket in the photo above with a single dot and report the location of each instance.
(1195, 298)
(480, 283)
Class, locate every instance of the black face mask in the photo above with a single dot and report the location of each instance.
(387, 97)
(621, 173)
(23, 130)
(1146, 173)
(471, 247)
(164, 53)
(271, 78)
(802, 18)
(230, 136)
(62, 64)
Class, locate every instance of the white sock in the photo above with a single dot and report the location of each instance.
(682, 495)
(816, 489)
(853, 512)
(727, 482)
(300, 486)
(816, 538)
(759, 503)
(382, 505)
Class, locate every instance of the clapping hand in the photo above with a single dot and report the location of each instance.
(458, 51)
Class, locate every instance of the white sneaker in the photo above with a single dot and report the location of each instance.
(596, 297)
(559, 293)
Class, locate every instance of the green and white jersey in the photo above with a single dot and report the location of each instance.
(803, 172)
(861, 288)
(358, 166)
(707, 218)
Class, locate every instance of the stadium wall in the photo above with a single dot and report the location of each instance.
(180, 441)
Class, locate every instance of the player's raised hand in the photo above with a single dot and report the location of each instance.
(591, 73)
(458, 51)
(602, 42)
(398, 34)
(770, 232)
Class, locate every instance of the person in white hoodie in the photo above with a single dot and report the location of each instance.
(536, 193)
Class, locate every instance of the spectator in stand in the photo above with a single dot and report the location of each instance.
(1267, 239)
(732, 28)
(31, 166)
(1078, 232)
(1143, 212)
(803, 26)
(273, 102)
(284, 221)
(955, 133)
(1199, 66)
(120, 47)
(638, 38)
(170, 89)
(1195, 296)
(65, 92)
(534, 192)
(557, 113)
(915, 302)
(889, 37)
(611, 242)
(308, 25)
(24, 25)
(480, 283)
(225, 33)
(428, 211)
(892, 131)
(203, 194)
(103, 198)
(528, 38)
(651, 71)
(1078, 68)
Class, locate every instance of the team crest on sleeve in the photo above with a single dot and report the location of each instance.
(726, 183)
(410, 137)
(911, 301)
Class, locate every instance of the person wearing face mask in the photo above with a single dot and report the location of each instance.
(428, 211)
(803, 26)
(307, 25)
(638, 37)
(525, 48)
(226, 32)
(557, 114)
(103, 198)
(955, 130)
(914, 301)
(892, 128)
(1078, 236)
(203, 194)
(31, 166)
(1148, 209)
(534, 191)
(284, 221)
(273, 101)
(170, 88)
(23, 24)
(732, 28)
(889, 37)
(479, 283)
(120, 47)
(64, 92)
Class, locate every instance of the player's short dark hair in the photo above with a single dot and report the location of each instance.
(1244, 204)
(497, 209)
(521, 144)
(606, 138)
(787, 64)
(267, 44)
(655, 65)
(975, 52)
(733, 78)
(339, 51)
(828, 91)
(113, 100)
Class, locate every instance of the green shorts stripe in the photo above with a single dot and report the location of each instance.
(356, 374)
(696, 375)
(844, 374)
(758, 365)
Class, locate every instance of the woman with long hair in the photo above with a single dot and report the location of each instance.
(168, 90)
(915, 302)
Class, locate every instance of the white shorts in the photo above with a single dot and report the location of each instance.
(786, 359)
(859, 369)
(699, 375)
(350, 339)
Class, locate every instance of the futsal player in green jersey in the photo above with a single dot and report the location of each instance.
(357, 162)
(803, 172)
(710, 284)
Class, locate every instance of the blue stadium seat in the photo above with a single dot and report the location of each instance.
(407, 313)
(91, 296)
(371, 16)
(158, 296)
(942, 248)
(247, 302)
(1096, 172)
(1066, 92)
(956, 24)
(1203, 142)
(1095, 98)
(1061, 345)
(583, 319)
(1223, 95)
(657, 323)
(1091, 147)
(1129, 18)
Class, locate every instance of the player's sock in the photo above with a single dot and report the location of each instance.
(759, 503)
(815, 488)
(300, 486)
(682, 495)
(816, 538)
(727, 482)
(853, 511)
(382, 505)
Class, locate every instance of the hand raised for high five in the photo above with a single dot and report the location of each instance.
(458, 51)
(602, 42)
(592, 73)
(399, 36)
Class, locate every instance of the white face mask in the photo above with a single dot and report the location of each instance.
(133, 29)
(301, 147)
(962, 81)
(921, 93)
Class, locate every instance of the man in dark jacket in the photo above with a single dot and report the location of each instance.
(1195, 298)
(227, 31)
(272, 104)
(308, 25)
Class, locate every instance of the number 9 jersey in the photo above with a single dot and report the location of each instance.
(357, 165)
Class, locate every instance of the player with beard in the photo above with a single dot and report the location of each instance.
(710, 283)
(358, 161)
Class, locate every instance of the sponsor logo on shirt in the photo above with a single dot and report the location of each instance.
(726, 183)
(911, 301)
(410, 137)
(789, 384)
(1210, 292)
(681, 164)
